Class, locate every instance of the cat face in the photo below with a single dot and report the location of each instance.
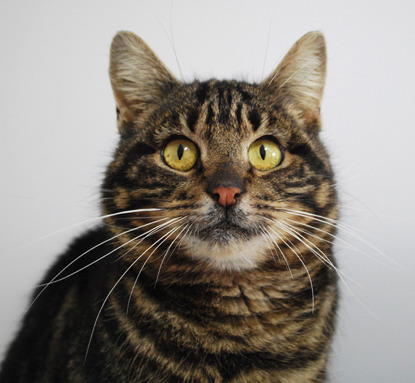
(226, 163)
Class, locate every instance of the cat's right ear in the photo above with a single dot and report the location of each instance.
(138, 78)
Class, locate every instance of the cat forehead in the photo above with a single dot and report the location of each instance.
(220, 111)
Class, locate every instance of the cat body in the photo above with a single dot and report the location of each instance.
(215, 260)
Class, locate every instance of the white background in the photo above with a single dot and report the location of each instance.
(57, 121)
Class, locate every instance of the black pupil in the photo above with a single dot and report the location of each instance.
(262, 152)
(180, 151)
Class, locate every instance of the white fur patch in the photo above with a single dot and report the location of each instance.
(236, 255)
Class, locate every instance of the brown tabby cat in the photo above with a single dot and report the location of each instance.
(215, 261)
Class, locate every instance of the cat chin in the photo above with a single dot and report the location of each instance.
(234, 255)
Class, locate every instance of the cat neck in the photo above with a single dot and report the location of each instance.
(202, 292)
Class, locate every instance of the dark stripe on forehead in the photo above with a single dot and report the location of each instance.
(209, 117)
(223, 105)
(175, 118)
(255, 119)
(245, 96)
(202, 92)
(238, 114)
(229, 97)
(192, 118)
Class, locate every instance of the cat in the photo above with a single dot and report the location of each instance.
(214, 261)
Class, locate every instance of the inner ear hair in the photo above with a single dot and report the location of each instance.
(138, 77)
(297, 83)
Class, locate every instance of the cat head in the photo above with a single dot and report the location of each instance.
(227, 166)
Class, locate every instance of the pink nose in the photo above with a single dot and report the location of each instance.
(226, 195)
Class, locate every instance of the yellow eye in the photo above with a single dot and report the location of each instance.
(180, 154)
(265, 154)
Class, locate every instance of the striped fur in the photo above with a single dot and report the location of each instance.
(192, 291)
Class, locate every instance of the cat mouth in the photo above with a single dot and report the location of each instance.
(225, 227)
(227, 241)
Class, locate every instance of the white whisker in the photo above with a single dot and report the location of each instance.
(165, 253)
(149, 233)
(179, 244)
(350, 230)
(53, 280)
(116, 284)
(317, 252)
(339, 273)
(104, 256)
(337, 238)
(162, 239)
(294, 249)
(281, 252)
(89, 220)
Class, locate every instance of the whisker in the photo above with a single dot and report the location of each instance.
(281, 252)
(318, 253)
(179, 244)
(103, 304)
(172, 40)
(348, 229)
(291, 230)
(112, 251)
(53, 280)
(265, 235)
(337, 238)
(88, 221)
(342, 276)
(162, 239)
(266, 49)
(150, 232)
(113, 288)
(294, 249)
(165, 253)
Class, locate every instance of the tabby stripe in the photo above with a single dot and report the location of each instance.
(154, 342)
(159, 365)
(228, 364)
(246, 97)
(187, 308)
(184, 206)
(202, 92)
(120, 176)
(255, 119)
(307, 153)
(238, 114)
(192, 118)
(179, 315)
(222, 106)
(209, 116)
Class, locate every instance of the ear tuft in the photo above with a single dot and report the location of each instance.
(138, 78)
(298, 81)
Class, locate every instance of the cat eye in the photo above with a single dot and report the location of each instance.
(265, 154)
(180, 154)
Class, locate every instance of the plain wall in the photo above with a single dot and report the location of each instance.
(58, 130)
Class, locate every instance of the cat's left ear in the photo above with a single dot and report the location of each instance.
(139, 80)
(298, 82)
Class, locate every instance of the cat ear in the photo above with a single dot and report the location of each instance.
(138, 78)
(298, 81)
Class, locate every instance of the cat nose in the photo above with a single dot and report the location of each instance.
(225, 185)
(227, 195)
